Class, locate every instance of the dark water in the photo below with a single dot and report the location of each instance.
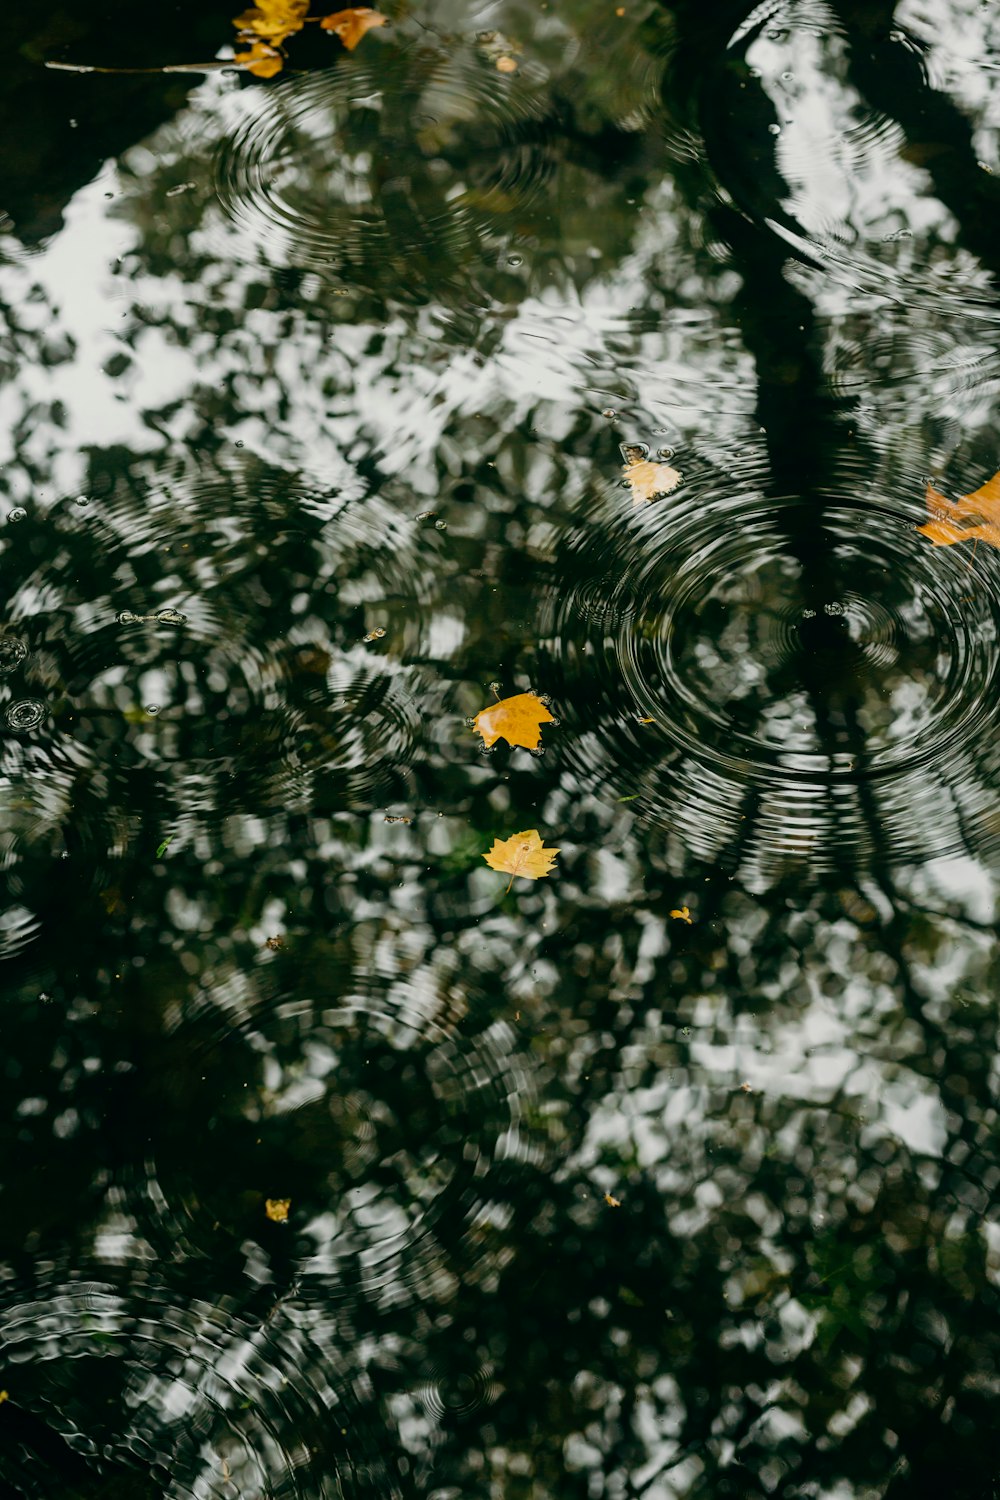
(314, 400)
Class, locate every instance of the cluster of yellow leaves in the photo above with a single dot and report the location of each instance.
(982, 508)
(266, 27)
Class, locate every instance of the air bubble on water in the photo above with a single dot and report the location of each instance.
(12, 653)
(515, 260)
(665, 453)
(538, 752)
(808, 614)
(487, 749)
(774, 129)
(126, 617)
(633, 453)
(425, 515)
(152, 709)
(470, 723)
(82, 500)
(833, 609)
(17, 514)
(26, 713)
(609, 412)
(239, 442)
(554, 722)
(376, 634)
(171, 617)
(440, 525)
(544, 698)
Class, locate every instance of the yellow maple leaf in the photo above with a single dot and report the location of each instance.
(517, 720)
(273, 20)
(350, 25)
(521, 854)
(982, 506)
(648, 481)
(277, 1209)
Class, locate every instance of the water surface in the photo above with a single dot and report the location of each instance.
(331, 1168)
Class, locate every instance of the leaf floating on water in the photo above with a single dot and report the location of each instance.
(682, 914)
(162, 848)
(648, 481)
(506, 64)
(517, 720)
(352, 24)
(265, 27)
(262, 60)
(521, 854)
(273, 21)
(982, 507)
(612, 1202)
(277, 1209)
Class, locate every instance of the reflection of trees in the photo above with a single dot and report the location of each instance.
(798, 1292)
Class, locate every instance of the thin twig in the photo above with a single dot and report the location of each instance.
(208, 67)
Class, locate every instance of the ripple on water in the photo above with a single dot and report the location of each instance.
(363, 1055)
(412, 162)
(792, 122)
(182, 1393)
(820, 681)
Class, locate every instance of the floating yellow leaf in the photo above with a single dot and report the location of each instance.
(273, 21)
(3, 1397)
(682, 914)
(262, 61)
(612, 1202)
(521, 854)
(648, 480)
(277, 1209)
(517, 720)
(506, 64)
(983, 505)
(351, 25)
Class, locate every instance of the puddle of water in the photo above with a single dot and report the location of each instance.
(333, 1165)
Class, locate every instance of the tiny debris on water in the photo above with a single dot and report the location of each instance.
(162, 617)
(376, 634)
(396, 818)
(275, 944)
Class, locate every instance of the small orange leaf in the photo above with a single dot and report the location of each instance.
(517, 720)
(612, 1202)
(648, 481)
(262, 61)
(351, 25)
(521, 854)
(683, 914)
(983, 506)
(277, 1209)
